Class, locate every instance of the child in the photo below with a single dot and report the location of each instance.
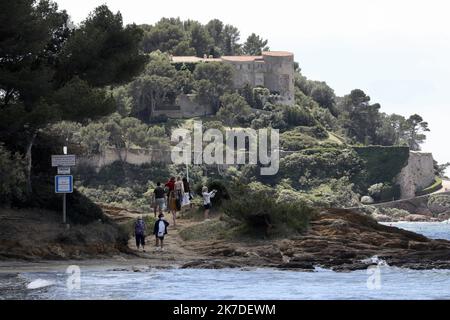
(160, 230)
(207, 200)
(139, 233)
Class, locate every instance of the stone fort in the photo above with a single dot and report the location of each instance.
(273, 70)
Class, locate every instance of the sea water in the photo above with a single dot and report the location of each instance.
(258, 283)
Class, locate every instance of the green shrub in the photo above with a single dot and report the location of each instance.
(294, 140)
(312, 167)
(381, 164)
(12, 173)
(298, 116)
(80, 209)
(261, 214)
(222, 191)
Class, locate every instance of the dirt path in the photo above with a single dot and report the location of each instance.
(176, 250)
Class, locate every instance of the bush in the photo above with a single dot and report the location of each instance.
(298, 116)
(221, 195)
(80, 209)
(261, 214)
(12, 173)
(382, 164)
(295, 141)
(312, 167)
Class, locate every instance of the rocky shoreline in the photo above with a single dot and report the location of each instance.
(342, 240)
(338, 239)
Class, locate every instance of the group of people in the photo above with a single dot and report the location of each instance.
(159, 230)
(175, 194)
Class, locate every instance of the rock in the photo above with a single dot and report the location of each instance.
(367, 200)
(439, 203)
(444, 216)
(340, 224)
(382, 217)
(424, 211)
(416, 218)
(416, 245)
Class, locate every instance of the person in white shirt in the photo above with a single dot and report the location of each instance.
(207, 200)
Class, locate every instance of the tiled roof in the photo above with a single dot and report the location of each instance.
(191, 59)
(241, 58)
(277, 53)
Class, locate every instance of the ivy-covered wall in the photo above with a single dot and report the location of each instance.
(382, 163)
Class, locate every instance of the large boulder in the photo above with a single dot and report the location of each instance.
(367, 200)
(439, 203)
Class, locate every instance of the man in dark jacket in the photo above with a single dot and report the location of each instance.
(160, 230)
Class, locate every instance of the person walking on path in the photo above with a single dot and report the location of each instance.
(179, 192)
(171, 199)
(207, 200)
(187, 193)
(139, 233)
(160, 230)
(159, 198)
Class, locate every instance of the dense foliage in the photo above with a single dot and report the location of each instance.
(261, 215)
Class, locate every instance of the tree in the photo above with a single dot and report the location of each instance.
(167, 35)
(49, 72)
(154, 86)
(102, 51)
(215, 30)
(234, 109)
(150, 91)
(440, 169)
(392, 130)
(94, 137)
(255, 45)
(415, 128)
(213, 79)
(231, 36)
(125, 133)
(201, 41)
(324, 96)
(360, 118)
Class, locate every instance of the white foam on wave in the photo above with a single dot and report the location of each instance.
(376, 260)
(39, 283)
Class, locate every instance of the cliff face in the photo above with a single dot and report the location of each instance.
(416, 175)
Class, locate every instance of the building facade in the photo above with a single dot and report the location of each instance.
(273, 70)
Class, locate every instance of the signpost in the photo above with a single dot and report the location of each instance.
(63, 160)
(64, 170)
(63, 181)
(64, 185)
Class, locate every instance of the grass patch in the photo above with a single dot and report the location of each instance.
(207, 230)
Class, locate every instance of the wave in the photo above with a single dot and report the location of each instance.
(39, 283)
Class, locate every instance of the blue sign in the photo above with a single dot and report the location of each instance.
(63, 184)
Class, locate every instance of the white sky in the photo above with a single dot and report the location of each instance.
(398, 53)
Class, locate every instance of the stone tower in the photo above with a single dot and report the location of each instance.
(279, 74)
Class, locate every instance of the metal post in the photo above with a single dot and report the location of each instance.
(64, 208)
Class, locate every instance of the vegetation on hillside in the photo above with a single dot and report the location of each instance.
(95, 87)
